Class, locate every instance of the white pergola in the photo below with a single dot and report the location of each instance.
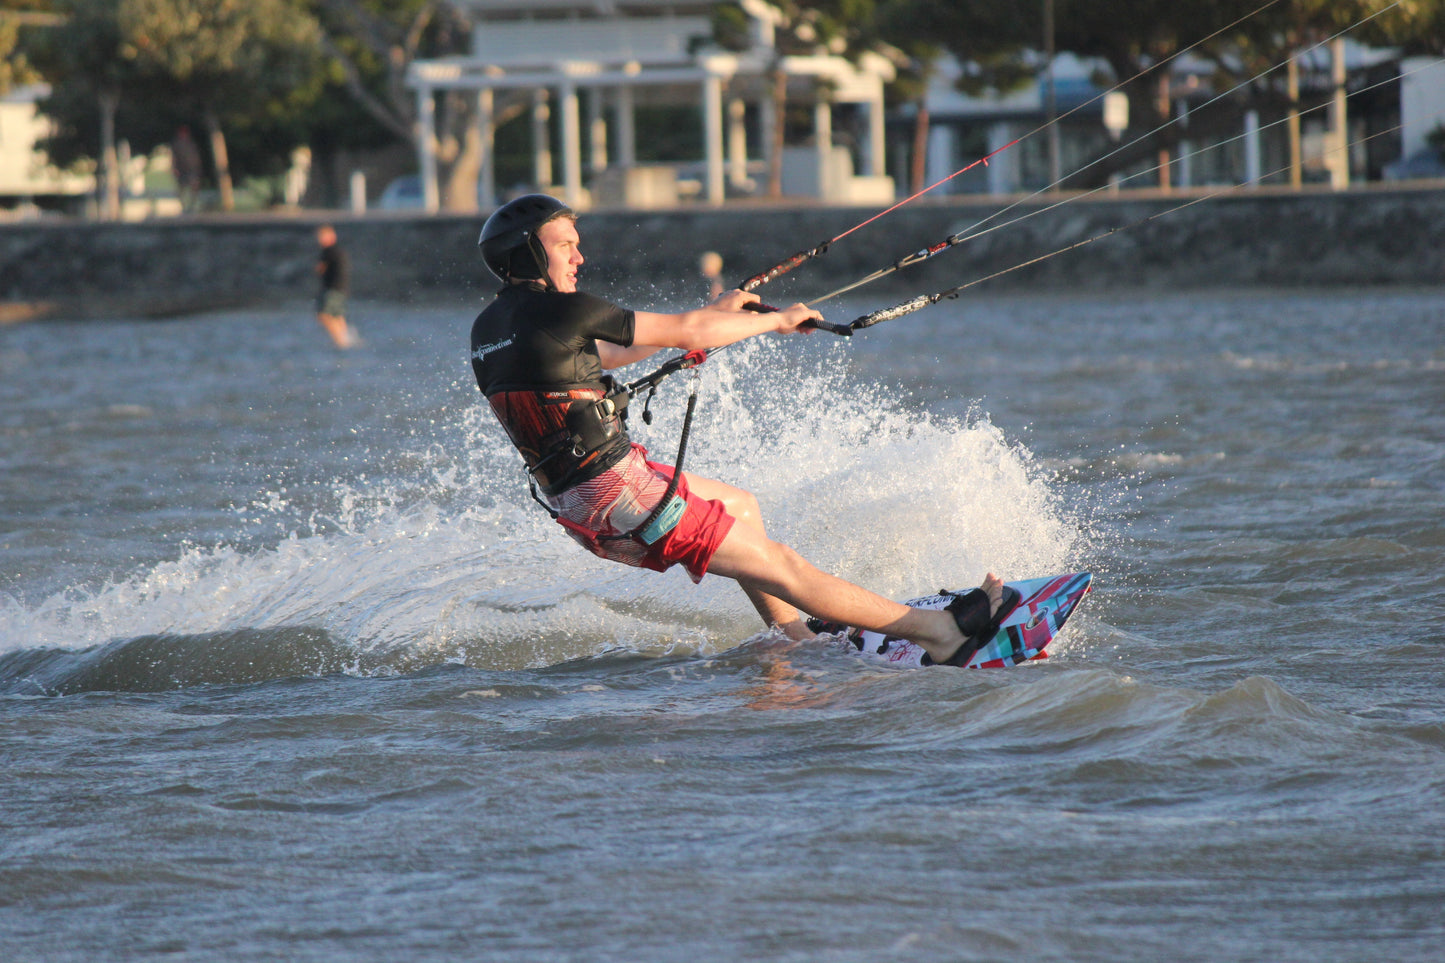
(609, 56)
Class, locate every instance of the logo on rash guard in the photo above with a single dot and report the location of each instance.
(486, 349)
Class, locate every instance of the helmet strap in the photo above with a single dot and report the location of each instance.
(539, 254)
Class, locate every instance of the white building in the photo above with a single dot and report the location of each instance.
(1361, 108)
(26, 172)
(594, 60)
(1422, 102)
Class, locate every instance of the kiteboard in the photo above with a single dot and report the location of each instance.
(1023, 635)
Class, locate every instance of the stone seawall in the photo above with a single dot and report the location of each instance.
(1148, 242)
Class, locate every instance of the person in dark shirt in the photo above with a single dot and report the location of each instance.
(186, 168)
(334, 270)
(541, 350)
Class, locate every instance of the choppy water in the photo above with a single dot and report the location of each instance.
(292, 668)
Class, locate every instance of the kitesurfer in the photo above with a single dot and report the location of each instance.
(540, 351)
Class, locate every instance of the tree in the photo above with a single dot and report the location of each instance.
(259, 77)
(139, 69)
(997, 43)
(15, 68)
(1277, 36)
(222, 57)
(82, 58)
(371, 45)
(1417, 29)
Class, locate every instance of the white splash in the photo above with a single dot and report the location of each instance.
(449, 559)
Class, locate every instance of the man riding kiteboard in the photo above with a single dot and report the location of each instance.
(540, 351)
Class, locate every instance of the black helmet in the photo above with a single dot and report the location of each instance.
(509, 238)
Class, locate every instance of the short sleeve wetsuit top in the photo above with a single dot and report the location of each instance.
(534, 353)
(535, 356)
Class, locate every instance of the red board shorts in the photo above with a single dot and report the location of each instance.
(689, 531)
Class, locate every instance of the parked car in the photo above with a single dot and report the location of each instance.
(402, 194)
(1427, 163)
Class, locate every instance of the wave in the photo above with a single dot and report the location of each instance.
(1139, 746)
(155, 663)
(446, 559)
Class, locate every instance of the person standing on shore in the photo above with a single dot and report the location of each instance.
(186, 168)
(334, 270)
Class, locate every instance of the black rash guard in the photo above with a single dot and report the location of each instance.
(534, 353)
(335, 269)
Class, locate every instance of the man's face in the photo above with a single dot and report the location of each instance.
(559, 239)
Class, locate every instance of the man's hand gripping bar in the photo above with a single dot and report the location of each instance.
(842, 330)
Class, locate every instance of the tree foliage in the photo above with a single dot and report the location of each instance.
(997, 40)
(139, 69)
(15, 67)
(271, 74)
(82, 52)
(998, 44)
(221, 58)
(370, 46)
(274, 74)
(220, 52)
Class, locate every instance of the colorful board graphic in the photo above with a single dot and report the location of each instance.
(1024, 635)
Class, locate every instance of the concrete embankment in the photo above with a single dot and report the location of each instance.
(1312, 239)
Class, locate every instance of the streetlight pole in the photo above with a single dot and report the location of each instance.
(1051, 104)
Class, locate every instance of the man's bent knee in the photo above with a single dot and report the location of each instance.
(745, 509)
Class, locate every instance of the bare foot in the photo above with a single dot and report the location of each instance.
(993, 587)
